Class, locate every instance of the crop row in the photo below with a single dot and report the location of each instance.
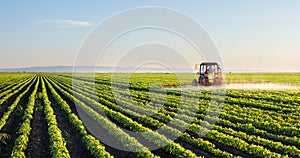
(21, 143)
(129, 142)
(285, 148)
(57, 142)
(173, 130)
(267, 125)
(12, 107)
(92, 144)
(7, 94)
(172, 148)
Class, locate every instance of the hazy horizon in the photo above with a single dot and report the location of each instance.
(107, 69)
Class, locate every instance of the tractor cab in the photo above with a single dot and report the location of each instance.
(209, 74)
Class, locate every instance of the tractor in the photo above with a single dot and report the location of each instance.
(209, 74)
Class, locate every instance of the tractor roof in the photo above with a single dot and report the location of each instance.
(209, 63)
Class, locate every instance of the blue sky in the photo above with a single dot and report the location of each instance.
(250, 35)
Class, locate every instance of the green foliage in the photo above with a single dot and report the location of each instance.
(92, 144)
(282, 78)
(57, 142)
(39, 95)
(4, 137)
(260, 123)
(21, 142)
(238, 137)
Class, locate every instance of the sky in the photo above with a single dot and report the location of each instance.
(249, 34)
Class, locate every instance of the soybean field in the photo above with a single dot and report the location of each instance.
(41, 115)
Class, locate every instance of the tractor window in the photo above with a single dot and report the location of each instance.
(210, 69)
(202, 69)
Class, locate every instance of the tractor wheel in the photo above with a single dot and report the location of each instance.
(194, 82)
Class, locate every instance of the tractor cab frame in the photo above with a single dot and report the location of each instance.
(209, 74)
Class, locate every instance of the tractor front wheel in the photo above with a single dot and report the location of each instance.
(194, 82)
